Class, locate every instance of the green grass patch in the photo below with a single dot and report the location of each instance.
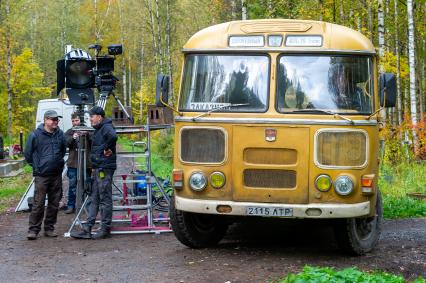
(12, 188)
(396, 182)
(161, 153)
(403, 207)
(352, 274)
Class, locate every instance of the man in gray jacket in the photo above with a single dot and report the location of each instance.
(45, 151)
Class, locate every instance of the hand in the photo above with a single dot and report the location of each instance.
(107, 152)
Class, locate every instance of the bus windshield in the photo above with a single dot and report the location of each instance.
(226, 83)
(340, 84)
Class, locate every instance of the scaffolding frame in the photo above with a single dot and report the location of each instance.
(149, 222)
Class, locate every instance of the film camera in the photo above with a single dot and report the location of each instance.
(79, 74)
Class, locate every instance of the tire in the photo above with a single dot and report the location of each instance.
(196, 230)
(358, 236)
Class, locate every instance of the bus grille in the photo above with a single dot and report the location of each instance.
(269, 178)
(272, 156)
(341, 148)
(202, 145)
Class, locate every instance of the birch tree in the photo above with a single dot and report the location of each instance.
(169, 56)
(8, 78)
(243, 10)
(399, 105)
(123, 59)
(412, 66)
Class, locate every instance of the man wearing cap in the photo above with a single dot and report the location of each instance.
(45, 151)
(104, 162)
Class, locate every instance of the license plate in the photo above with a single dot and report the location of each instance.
(269, 211)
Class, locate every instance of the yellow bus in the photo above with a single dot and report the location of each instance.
(279, 118)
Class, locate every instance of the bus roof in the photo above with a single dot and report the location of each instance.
(334, 37)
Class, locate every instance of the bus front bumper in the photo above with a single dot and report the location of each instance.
(313, 210)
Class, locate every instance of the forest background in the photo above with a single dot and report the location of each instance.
(33, 35)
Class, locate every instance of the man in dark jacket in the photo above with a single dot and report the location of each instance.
(72, 142)
(104, 162)
(45, 151)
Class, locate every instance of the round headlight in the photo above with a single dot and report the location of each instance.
(197, 181)
(217, 180)
(343, 185)
(323, 183)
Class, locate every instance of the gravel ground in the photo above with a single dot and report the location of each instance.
(252, 252)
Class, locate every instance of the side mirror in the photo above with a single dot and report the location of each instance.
(162, 91)
(387, 90)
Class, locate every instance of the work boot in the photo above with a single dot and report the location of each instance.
(85, 233)
(32, 235)
(50, 233)
(101, 234)
(69, 210)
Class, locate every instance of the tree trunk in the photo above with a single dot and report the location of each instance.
(358, 18)
(141, 82)
(9, 78)
(399, 105)
(412, 66)
(334, 11)
(342, 13)
(123, 59)
(152, 26)
(321, 9)
(421, 86)
(233, 10)
(130, 79)
(160, 46)
(169, 57)
(271, 13)
(243, 10)
(381, 31)
(370, 20)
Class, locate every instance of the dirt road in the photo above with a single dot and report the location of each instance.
(252, 252)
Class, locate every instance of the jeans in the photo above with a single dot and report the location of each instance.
(72, 188)
(52, 187)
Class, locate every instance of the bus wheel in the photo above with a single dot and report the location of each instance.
(358, 236)
(196, 230)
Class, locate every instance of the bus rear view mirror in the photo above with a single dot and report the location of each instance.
(387, 92)
(162, 91)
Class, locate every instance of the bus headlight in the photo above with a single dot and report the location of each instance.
(197, 181)
(343, 185)
(323, 183)
(217, 180)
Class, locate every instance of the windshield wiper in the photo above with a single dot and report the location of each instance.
(219, 108)
(324, 111)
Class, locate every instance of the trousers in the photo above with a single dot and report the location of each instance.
(52, 187)
(101, 198)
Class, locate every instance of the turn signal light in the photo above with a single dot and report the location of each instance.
(367, 184)
(177, 178)
(367, 180)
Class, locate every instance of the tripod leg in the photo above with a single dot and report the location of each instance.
(123, 108)
(77, 218)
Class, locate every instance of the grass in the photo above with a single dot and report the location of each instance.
(161, 159)
(352, 274)
(12, 188)
(396, 182)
